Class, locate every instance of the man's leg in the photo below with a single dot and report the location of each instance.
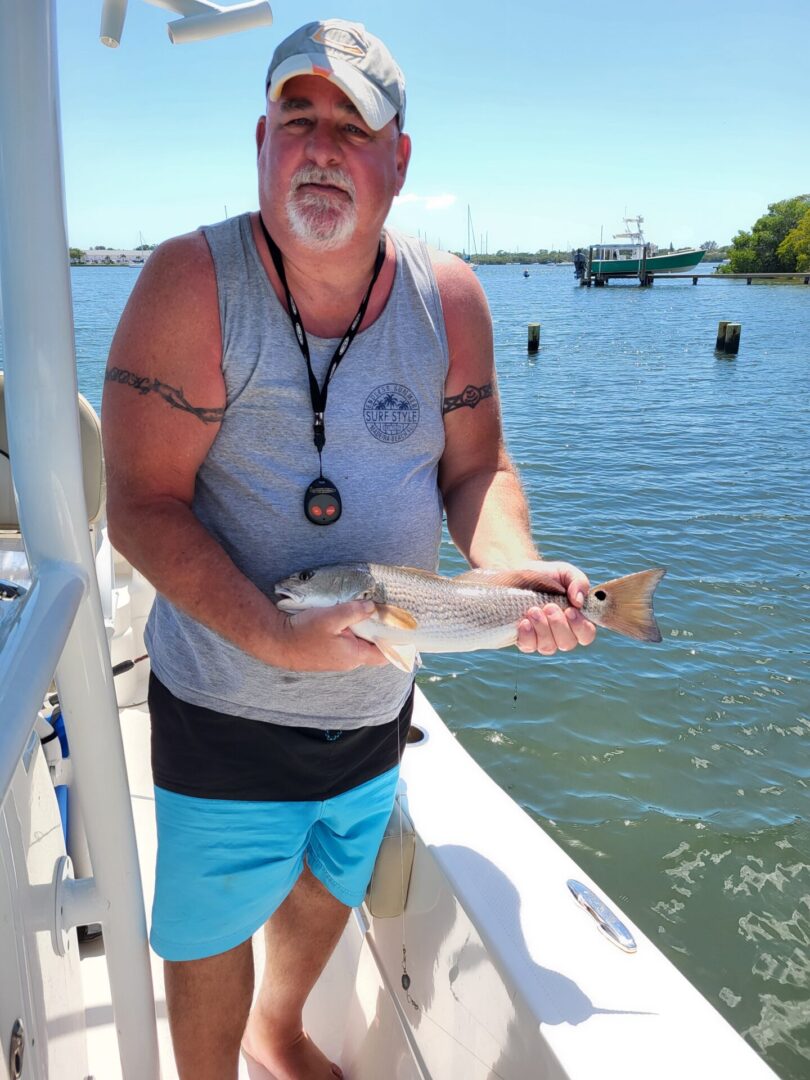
(208, 1002)
(299, 938)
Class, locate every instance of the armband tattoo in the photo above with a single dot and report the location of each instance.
(170, 394)
(469, 396)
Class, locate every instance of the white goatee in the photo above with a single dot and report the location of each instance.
(319, 220)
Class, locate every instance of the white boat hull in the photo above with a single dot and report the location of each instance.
(509, 977)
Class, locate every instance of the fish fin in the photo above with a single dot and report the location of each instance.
(532, 580)
(390, 615)
(404, 657)
(625, 605)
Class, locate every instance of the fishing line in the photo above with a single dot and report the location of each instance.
(406, 979)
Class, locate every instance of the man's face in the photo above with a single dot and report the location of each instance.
(323, 172)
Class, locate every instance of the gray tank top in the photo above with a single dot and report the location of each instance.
(384, 439)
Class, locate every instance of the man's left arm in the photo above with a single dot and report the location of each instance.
(487, 514)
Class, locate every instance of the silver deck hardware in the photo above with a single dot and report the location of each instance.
(608, 923)
(16, 1050)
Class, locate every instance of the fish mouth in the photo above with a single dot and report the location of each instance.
(287, 600)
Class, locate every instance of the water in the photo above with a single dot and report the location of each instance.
(675, 774)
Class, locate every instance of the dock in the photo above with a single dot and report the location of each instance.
(647, 277)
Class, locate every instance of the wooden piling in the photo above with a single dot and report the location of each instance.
(732, 342)
(642, 274)
(720, 346)
(534, 337)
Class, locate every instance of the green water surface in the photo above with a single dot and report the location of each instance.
(675, 774)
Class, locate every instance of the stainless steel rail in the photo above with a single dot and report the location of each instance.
(31, 642)
(43, 428)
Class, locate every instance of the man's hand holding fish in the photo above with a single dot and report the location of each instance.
(549, 628)
(321, 639)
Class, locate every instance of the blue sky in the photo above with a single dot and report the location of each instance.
(550, 120)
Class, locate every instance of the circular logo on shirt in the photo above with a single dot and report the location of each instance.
(391, 413)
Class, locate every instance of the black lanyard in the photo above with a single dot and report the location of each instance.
(318, 394)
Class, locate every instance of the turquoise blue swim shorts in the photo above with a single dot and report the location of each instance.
(224, 866)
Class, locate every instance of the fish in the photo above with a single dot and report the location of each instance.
(420, 612)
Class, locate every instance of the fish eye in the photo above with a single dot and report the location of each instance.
(600, 594)
(305, 575)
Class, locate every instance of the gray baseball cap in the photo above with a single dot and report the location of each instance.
(350, 57)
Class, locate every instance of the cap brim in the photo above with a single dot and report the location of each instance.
(371, 103)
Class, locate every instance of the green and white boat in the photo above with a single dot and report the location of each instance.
(625, 255)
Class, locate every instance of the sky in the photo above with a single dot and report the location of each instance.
(551, 121)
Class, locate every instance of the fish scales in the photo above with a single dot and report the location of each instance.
(437, 602)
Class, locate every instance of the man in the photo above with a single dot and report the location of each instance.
(276, 739)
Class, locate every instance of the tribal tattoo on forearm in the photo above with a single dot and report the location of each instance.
(470, 396)
(170, 394)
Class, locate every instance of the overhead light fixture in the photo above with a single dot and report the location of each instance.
(112, 22)
(217, 21)
(201, 19)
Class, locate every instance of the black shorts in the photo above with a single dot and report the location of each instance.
(213, 755)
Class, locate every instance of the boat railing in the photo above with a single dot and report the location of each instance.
(57, 627)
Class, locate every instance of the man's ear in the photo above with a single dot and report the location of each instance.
(403, 157)
(261, 131)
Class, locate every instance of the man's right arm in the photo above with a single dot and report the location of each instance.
(164, 399)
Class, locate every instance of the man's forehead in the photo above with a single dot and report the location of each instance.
(304, 91)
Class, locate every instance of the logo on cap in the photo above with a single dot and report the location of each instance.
(340, 39)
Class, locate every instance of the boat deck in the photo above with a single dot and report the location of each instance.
(349, 1000)
(102, 1046)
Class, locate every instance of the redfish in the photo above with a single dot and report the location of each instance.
(417, 611)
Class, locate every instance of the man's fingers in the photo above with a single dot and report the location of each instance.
(584, 630)
(353, 611)
(549, 629)
(322, 639)
(577, 591)
(535, 635)
(526, 639)
(562, 577)
(559, 628)
(367, 652)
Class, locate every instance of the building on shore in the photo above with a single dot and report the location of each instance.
(111, 257)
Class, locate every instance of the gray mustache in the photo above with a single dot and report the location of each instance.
(312, 175)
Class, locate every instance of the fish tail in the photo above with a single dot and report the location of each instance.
(625, 605)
